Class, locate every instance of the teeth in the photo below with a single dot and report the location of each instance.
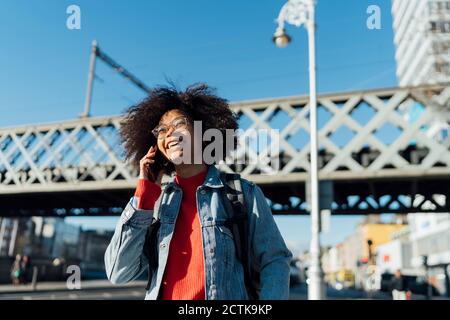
(174, 143)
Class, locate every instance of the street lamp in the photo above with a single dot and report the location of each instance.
(281, 38)
(298, 13)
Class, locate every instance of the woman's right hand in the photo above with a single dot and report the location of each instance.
(145, 164)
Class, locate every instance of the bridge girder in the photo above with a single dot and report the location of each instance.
(80, 162)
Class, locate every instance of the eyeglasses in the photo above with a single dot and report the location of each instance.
(161, 130)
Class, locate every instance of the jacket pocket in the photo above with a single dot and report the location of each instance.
(226, 231)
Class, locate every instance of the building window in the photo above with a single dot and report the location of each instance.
(441, 47)
(444, 135)
(440, 26)
(439, 6)
(442, 67)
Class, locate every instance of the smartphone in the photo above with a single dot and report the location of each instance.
(159, 163)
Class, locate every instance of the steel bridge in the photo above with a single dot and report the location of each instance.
(382, 151)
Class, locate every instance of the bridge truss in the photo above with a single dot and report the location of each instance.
(383, 150)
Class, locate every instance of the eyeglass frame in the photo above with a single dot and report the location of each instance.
(170, 125)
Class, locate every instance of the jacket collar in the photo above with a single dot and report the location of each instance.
(212, 179)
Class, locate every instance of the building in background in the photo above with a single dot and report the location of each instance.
(337, 273)
(422, 41)
(396, 254)
(41, 238)
(16, 236)
(373, 235)
(91, 250)
(421, 250)
(418, 245)
(52, 238)
(347, 263)
(52, 245)
(430, 238)
(57, 239)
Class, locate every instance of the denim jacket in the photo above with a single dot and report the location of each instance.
(224, 276)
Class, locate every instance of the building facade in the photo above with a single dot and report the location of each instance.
(347, 263)
(16, 236)
(396, 254)
(91, 250)
(430, 240)
(422, 41)
(422, 250)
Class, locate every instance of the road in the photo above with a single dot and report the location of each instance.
(300, 292)
(90, 290)
(136, 291)
(87, 294)
(132, 293)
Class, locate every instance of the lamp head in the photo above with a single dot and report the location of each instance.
(281, 38)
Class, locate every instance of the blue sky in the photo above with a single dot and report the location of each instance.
(224, 43)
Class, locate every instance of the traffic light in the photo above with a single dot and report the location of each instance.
(425, 261)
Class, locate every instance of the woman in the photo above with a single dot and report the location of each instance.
(196, 254)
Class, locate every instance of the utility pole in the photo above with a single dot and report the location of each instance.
(90, 84)
(97, 53)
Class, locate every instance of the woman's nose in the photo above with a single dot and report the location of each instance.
(169, 132)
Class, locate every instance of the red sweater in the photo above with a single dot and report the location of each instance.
(184, 274)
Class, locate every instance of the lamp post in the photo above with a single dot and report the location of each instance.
(298, 13)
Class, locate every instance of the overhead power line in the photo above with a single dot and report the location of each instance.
(97, 53)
